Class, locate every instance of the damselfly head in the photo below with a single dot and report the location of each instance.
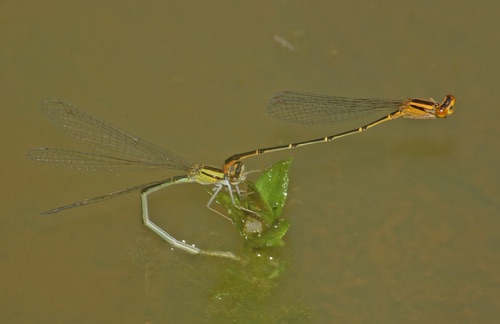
(236, 173)
(446, 108)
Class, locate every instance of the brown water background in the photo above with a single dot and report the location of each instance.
(395, 225)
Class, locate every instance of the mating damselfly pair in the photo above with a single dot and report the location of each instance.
(117, 150)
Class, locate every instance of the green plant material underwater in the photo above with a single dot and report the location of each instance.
(247, 291)
(266, 197)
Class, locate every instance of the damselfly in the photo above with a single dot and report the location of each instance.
(118, 150)
(306, 108)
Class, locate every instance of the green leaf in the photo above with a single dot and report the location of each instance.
(273, 185)
(263, 227)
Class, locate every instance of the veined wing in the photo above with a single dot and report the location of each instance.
(113, 145)
(308, 108)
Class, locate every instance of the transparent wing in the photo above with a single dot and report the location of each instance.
(89, 161)
(308, 108)
(113, 146)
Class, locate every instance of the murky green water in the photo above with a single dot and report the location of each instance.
(397, 224)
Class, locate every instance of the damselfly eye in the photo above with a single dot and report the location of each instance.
(235, 172)
(446, 108)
